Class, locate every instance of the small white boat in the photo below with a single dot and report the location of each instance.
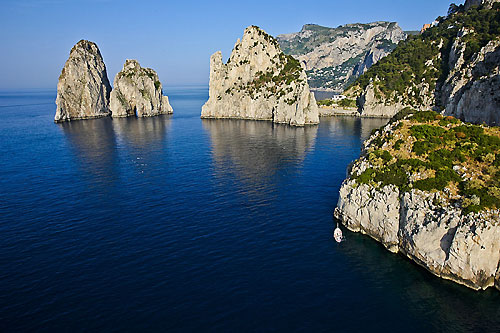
(337, 234)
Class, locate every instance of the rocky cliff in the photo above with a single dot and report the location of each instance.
(138, 92)
(83, 89)
(471, 91)
(259, 82)
(335, 57)
(452, 67)
(424, 187)
(486, 3)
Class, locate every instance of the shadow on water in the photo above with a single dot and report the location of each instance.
(100, 145)
(351, 127)
(434, 303)
(257, 150)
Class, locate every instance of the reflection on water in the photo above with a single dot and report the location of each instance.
(352, 126)
(141, 132)
(258, 149)
(94, 142)
(97, 143)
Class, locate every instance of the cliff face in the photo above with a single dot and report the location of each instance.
(452, 67)
(334, 57)
(486, 3)
(422, 205)
(259, 82)
(470, 91)
(138, 92)
(83, 89)
(439, 238)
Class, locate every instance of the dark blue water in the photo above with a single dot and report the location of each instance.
(177, 224)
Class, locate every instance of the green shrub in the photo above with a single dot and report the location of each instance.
(424, 116)
(325, 102)
(383, 154)
(366, 176)
(402, 114)
(347, 103)
(423, 147)
(439, 182)
(427, 132)
(398, 144)
(393, 175)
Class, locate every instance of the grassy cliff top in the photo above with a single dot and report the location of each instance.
(426, 151)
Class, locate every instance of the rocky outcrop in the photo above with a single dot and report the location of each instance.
(371, 106)
(458, 76)
(83, 89)
(259, 82)
(373, 55)
(334, 57)
(426, 226)
(138, 92)
(441, 239)
(471, 90)
(487, 3)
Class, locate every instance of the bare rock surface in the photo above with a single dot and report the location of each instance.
(425, 226)
(138, 92)
(83, 89)
(471, 91)
(259, 82)
(334, 57)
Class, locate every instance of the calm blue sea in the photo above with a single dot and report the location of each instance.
(180, 224)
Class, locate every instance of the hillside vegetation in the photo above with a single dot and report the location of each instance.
(426, 151)
(422, 61)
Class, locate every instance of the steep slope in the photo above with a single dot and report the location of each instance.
(335, 57)
(83, 88)
(138, 92)
(428, 186)
(453, 67)
(259, 82)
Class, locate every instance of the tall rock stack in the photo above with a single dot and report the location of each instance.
(83, 89)
(259, 82)
(138, 92)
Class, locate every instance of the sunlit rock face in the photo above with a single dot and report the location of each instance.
(259, 82)
(138, 92)
(83, 89)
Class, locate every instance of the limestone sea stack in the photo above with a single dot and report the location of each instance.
(83, 89)
(259, 82)
(138, 92)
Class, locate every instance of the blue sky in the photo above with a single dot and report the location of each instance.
(176, 38)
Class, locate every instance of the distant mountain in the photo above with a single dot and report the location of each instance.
(335, 57)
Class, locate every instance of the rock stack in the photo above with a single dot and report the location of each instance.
(83, 89)
(259, 82)
(138, 92)
(84, 92)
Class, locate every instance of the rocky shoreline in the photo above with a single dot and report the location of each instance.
(431, 228)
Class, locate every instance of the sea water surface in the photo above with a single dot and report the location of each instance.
(175, 223)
